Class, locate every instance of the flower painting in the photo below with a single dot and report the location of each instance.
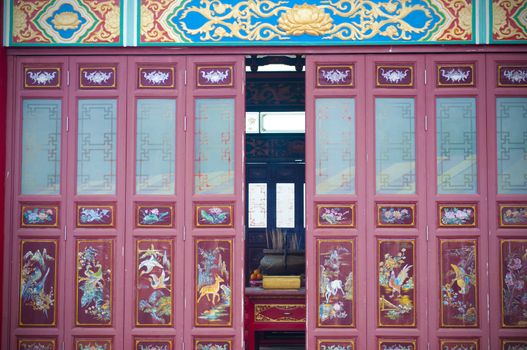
(394, 215)
(323, 344)
(396, 344)
(455, 215)
(213, 302)
(513, 344)
(93, 344)
(459, 344)
(459, 306)
(154, 282)
(94, 282)
(214, 216)
(212, 344)
(39, 216)
(154, 216)
(95, 216)
(335, 283)
(513, 215)
(396, 304)
(335, 215)
(153, 344)
(37, 305)
(513, 272)
(36, 344)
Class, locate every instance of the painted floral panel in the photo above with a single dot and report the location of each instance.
(154, 216)
(513, 215)
(335, 344)
(514, 344)
(335, 76)
(459, 283)
(513, 276)
(455, 75)
(156, 78)
(459, 344)
(40, 216)
(335, 215)
(335, 283)
(38, 283)
(395, 215)
(98, 77)
(212, 344)
(214, 216)
(395, 76)
(396, 286)
(36, 344)
(512, 76)
(95, 216)
(41, 77)
(456, 215)
(154, 282)
(93, 344)
(94, 282)
(397, 344)
(153, 344)
(215, 76)
(213, 266)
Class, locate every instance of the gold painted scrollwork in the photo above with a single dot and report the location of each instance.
(110, 30)
(23, 30)
(461, 28)
(503, 26)
(151, 29)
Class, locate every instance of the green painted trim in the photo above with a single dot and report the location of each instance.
(129, 31)
(10, 31)
(482, 22)
(138, 24)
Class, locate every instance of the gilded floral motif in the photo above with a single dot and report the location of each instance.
(23, 29)
(505, 14)
(305, 19)
(109, 14)
(461, 20)
(66, 20)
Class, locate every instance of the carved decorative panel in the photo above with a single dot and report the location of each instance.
(276, 147)
(397, 344)
(396, 284)
(212, 344)
(459, 344)
(38, 283)
(457, 168)
(214, 215)
(213, 289)
(511, 133)
(507, 21)
(275, 91)
(335, 302)
(459, 282)
(154, 282)
(94, 282)
(335, 76)
(93, 343)
(335, 215)
(96, 146)
(335, 344)
(335, 145)
(395, 145)
(98, 77)
(395, 215)
(152, 344)
(95, 215)
(156, 78)
(457, 215)
(513, 269)
(42, 77)
(394, 76)
(512, 75)
(290, 313)
(41, 146)
(455, 75)
(155, 154)
(514, 344)
(214, 146)
(513, 215)
(215, 76)
(36, 343)
(153, 216)
(39, 215)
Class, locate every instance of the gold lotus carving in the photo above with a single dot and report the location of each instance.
(305, 19)
(66, 20)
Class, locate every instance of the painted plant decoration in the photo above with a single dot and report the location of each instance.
(335, 76)
(335, 215)
(39, 216)
(94, 282)
(99, 344)
(459, 344)
(396, 283)
(213, 283)
(335, 283)
(37, 282)
(514, 282)
(144, 344)
(213, 345)
(154, 282)
(518, 344)
(89, 216)
(513, 215)
(336, 345)
(397, 345)
(457, 215)
(36, 344)
(459, 307)
(160, 216)
(395, 215)
(214, 216)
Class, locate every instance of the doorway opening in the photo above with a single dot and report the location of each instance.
(275, 197)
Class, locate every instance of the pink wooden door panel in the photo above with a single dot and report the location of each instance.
(457, 206)
(155, 206)
(335, 187)
(214, 212)
(96, 200)
(506, 104)
(38, 205)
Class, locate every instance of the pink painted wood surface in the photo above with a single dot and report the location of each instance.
(3, 155)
